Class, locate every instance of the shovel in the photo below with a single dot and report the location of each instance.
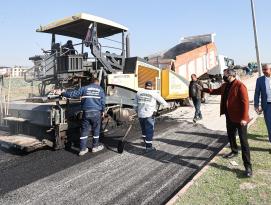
(122, 142)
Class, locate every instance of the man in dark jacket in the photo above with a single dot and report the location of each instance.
(93, 104)
(263, 92)
(195, 93)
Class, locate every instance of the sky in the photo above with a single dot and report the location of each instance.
(153, 25)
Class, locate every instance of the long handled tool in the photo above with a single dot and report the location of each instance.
(122, 142)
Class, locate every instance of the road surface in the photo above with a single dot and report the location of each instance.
(134, 177)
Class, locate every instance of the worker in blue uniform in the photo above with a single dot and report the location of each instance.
(93, 105)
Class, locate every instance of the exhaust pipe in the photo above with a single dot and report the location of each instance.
(128, 45)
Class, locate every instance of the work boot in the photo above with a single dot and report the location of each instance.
(230, 155)
(248, 172)
(144, 139)
(83, 152)
(143, 142)
(195, 119)
(97, 148)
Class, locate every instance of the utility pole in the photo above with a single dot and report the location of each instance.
(256, 38)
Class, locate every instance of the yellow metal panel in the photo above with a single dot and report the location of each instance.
(165, 83)
(147, 74)
(176, 97)
(173, 86)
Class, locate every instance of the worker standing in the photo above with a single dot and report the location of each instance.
(195, 93)
(92, 104)
(146, 103)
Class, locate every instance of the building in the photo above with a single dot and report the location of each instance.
(15, 72)
(4, 70)
(18, 71)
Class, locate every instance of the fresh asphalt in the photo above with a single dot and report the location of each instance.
(134, 177)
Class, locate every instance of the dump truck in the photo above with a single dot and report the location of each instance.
(193, 55)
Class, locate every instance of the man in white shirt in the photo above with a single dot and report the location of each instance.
(146, 103)
(263, 91)
(268, 87)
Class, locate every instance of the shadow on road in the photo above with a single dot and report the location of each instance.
(204, 134)
(162, 156)
(189, 144)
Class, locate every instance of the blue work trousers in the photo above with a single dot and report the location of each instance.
(91, 119)
(147, 128)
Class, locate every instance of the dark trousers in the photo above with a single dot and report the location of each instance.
(147, 128)
(232, 129)
(91, 119)
(197, 104)
(267, 118)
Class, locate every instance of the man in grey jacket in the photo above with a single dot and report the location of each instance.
(146, 103)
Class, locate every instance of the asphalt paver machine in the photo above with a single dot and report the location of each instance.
(46, 119)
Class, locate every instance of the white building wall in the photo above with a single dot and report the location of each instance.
(18, 72)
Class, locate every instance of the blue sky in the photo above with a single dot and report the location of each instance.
(154, 25)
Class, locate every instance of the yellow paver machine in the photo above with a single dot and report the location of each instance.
(50, 120)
